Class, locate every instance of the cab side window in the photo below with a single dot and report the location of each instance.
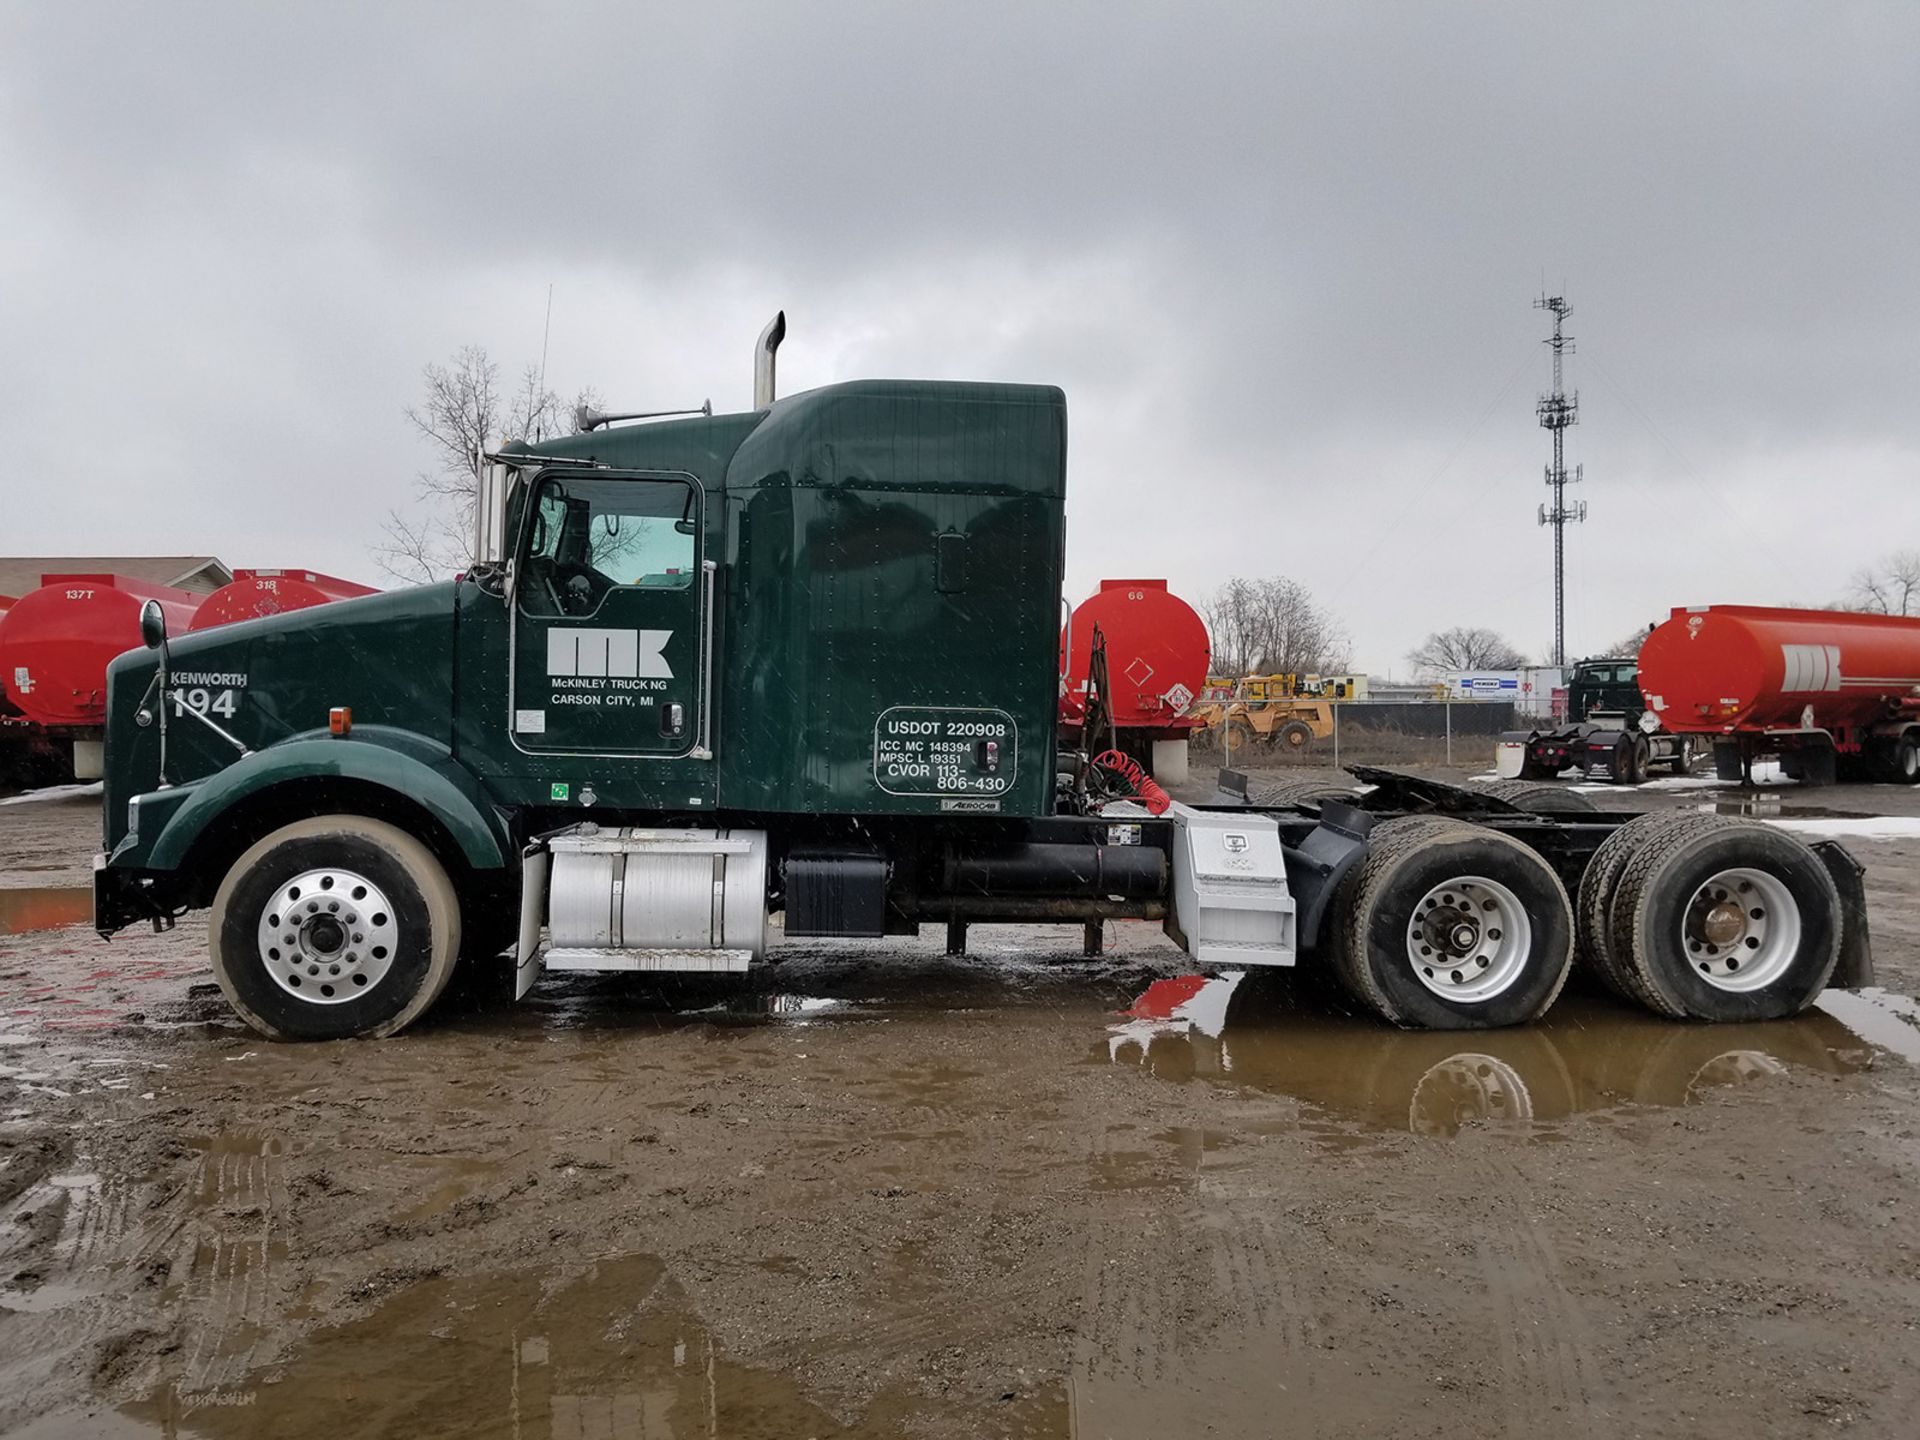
(586, 538)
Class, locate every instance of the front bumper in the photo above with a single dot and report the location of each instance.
(123, 897)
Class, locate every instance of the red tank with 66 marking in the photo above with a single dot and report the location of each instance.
(1157, 655)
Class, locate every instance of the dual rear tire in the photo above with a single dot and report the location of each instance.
(1708, 917)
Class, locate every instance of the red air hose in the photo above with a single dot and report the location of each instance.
(1129, 769)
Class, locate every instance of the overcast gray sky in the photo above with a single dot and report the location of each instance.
(1280, 257)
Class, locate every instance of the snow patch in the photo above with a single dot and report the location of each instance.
(52, 792)
(1867, 827)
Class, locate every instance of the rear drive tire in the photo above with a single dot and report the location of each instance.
(1639, 755)
(1727, 921)
(1449, 926)
(1539, 799)
(1595, 951)
(332, 928)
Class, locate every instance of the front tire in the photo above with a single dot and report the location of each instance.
(335, 927)
(1449, 926)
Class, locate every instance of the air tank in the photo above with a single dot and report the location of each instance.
(1157, 655)
(255, 593)
(55, 642)
(1717, 668)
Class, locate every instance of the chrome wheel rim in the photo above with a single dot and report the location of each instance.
(1741, 930)
(1469, 939)
(327, 936)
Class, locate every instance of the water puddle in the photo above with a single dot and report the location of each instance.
(44, 908)
(620, 1351)
(1587, 1056)
(1756, 805)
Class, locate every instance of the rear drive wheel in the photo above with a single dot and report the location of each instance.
(1295, 735)
(1725, 922)
(1595, 951)
(1449, 926)
(1639, 755)
(1540, 799)
(334, 927)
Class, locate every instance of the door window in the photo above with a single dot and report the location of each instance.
(587, 538)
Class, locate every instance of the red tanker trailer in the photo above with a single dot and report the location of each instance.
(55, 643)
(255, 593)
(1825, 690)
(1156, 659)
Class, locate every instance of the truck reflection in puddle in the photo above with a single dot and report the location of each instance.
(1588, 1055)
(619, 1351)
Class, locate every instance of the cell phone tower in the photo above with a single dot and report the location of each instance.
(1557, 411)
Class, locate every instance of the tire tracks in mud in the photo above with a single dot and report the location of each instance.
(1169, 1327)
(1549, 1370)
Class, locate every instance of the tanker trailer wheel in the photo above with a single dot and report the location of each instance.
(1727, 921)
(334, 927)
(1295, 735)
(1449, 926)
(1539, 799)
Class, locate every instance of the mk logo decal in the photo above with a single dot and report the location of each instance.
(618, 654)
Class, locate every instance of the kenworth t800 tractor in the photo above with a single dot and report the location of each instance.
(803, 661)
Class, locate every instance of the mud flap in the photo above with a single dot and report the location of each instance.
(1855, 967)
(534, 863)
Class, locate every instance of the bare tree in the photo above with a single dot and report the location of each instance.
(462, 413)
(1627, 647)
(1891, 587)
(1466, 647)
(1271, 626)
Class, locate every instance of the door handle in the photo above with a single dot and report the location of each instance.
(704, 749)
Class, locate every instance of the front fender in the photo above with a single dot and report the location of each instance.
(413, 768)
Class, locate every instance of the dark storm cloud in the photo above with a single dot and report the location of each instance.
(1281, 258)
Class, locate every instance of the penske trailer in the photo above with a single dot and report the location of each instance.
(801, 664)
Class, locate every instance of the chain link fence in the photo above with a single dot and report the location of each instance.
(1459, 734)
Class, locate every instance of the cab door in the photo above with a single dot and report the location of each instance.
(610, 609)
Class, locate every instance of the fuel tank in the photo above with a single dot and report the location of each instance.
(55, 642)
(255, 593)
(1718, 668)
(1157, 655)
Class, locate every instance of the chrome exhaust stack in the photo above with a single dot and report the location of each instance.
(769, 342)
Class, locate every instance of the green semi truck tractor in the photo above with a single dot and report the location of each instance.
(802, 662)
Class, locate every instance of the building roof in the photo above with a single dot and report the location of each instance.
(202, 574)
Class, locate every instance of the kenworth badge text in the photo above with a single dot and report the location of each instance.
(805, 660)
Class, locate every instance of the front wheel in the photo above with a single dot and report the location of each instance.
(334, 927)
(1448, 926)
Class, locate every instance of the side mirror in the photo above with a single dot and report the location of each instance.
(153, 625)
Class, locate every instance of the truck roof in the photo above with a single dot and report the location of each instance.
(878, 434)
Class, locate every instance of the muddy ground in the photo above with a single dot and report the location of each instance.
(878, 1192)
